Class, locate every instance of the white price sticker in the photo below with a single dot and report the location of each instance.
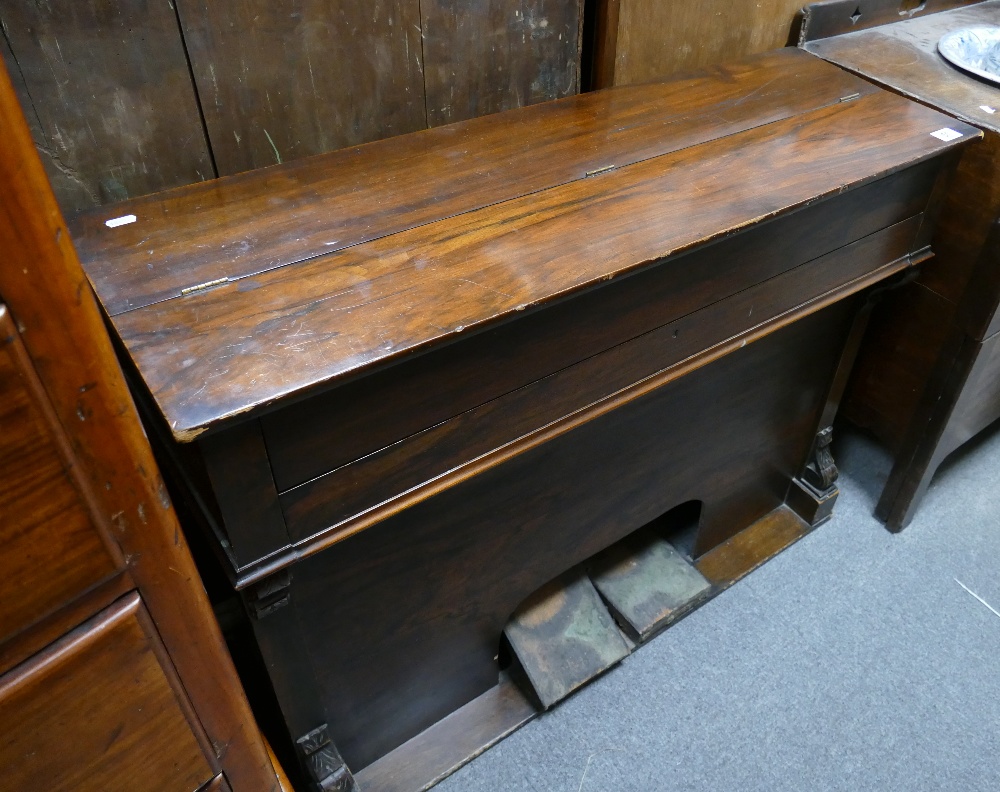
(946, 134)
(987, 109)
(114, 222)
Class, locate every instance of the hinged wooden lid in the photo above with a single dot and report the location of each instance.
(231, 295)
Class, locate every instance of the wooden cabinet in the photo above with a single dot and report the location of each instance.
(408, 384)
(99, 709)
(927, 379)
(113, 674)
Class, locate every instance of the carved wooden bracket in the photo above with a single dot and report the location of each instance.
(323, 763)
(269, 595)
(821, 471)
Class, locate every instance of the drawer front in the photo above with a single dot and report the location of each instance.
(371, 488)
(312, 437)
(97, 711)
(51, 549)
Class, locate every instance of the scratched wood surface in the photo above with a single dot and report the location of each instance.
(284, 80)
(485, 56)
(217, 353)
(109, 94)
(52, 551)
(328, 203)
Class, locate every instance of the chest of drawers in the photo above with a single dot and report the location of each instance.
(411, 382)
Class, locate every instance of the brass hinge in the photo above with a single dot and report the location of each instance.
(203, 286)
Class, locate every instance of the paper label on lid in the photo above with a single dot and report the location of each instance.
(988, 109)
(119, 221)
(946, 134)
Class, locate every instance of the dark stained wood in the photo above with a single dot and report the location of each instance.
(245, 493)
(65, 339)
(674, 351)
(454, 740)
(279, 81)
(835, 17)
(52, 550)
(377, 302)
(78, 732)
(360, 418)
(110, 95)
(406, 471)
(485, 56)
(907, 388)
(329, 203)
(424, 598)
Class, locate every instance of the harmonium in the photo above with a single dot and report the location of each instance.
(417, 391)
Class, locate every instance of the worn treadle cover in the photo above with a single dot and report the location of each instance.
(563, 637)
(647, 583)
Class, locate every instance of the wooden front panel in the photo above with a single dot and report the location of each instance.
(283, 80)
(50, 550)
(108, 88)
(979, 404)
(97, 711)
(405, 617)
(336, 428)
(484, 56)
(433, 459)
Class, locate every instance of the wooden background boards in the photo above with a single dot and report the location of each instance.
(132, 97)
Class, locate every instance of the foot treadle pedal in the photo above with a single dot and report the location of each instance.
(563, 636)
(647, 584)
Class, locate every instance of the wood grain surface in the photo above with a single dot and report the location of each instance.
(221, 352)
(279, 81)
(52, 550)
(653, 40)
(109, 92)
(431, 458)
(361, 417)
(71, 696)
(485, 56)
(325, 204)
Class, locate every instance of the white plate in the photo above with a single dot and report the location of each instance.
(975, 50)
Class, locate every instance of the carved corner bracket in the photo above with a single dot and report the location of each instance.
(323, 763)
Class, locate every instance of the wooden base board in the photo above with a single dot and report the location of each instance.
(439, 751)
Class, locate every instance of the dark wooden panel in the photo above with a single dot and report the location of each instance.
(111, 96)
(279, 81)
(485, 56)
(419, 600)
(237, 466)
(979, 405)
(292, 328)
(51, 550)
(971, 206)
(904, 337)
(96, 711)
(359, 418)
(420, 461)
(325, 204)
(834, 17)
